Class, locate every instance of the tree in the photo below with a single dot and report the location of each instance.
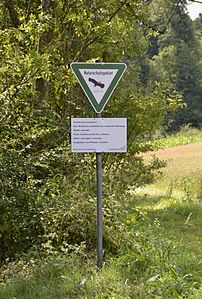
(178, 64)
(39, 175)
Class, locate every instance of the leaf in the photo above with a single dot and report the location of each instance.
(81, 283)
(153, 278)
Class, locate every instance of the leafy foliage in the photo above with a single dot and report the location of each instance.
(178, 64)
(47, 193)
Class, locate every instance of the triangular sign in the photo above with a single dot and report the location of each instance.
(98, 80)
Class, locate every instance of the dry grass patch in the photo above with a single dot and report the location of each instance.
(183, 172)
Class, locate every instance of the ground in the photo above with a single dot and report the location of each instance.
(182, 160)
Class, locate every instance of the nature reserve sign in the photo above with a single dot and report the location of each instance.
(98, 135)
(98, 80)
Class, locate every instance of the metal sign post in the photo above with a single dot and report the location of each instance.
(99, 204)
(99, 135)
(98, 81)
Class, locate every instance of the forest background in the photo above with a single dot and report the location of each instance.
(47, 202)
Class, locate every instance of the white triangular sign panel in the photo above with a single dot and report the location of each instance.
(98, 80)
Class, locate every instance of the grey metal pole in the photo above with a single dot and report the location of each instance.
(99, 204)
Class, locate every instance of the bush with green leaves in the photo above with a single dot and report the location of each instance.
(47, 192)
(49, 199)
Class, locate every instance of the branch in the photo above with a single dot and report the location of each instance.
(200, 2)
(17, 86)
(12, 12)
(78, 54)
(172, 15)
(117, 10)
(28, 10)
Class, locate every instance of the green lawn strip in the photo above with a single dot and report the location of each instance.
(178, 217)
(181, 222)
(186, 135)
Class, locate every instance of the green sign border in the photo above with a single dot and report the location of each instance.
(121, 67)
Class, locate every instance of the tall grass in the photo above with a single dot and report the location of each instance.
(186, 135)
(187, 187)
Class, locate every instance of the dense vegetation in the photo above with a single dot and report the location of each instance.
(47, 203)
(179, 63)
(159, 255)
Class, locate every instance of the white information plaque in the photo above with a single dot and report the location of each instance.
(108, 135)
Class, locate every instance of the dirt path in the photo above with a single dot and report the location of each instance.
(181, 160)
(189, 150)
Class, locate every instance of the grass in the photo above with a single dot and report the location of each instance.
(182, 183)
(186, 135)
(160, 254)
(160, 257)
(182, 176)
